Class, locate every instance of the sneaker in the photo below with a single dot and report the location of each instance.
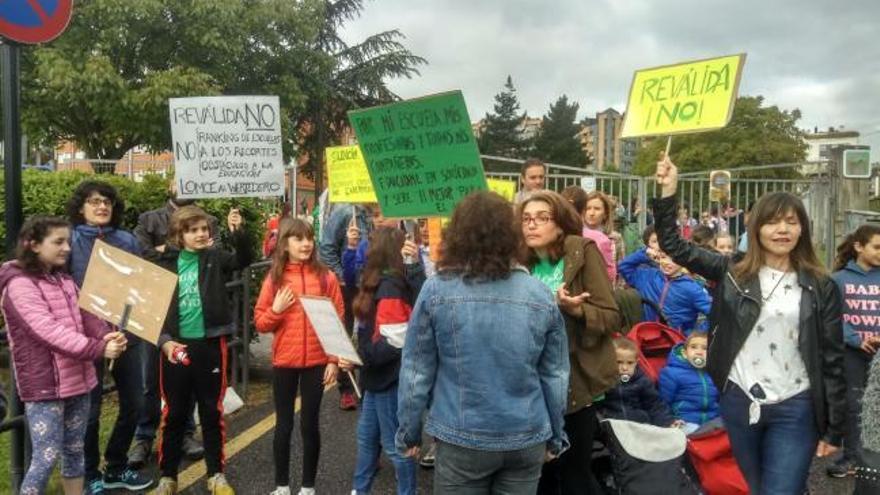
(140, 454)
(167, 486)
(94, 487)
(192, 448)
(841, 469)
(347, 402)
(281, 490)
(127, 478)
(218, 485)
(427, 460)
(306, 491)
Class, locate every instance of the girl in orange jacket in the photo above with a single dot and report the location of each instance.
(298, 360)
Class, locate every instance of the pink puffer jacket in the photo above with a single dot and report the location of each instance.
(54, 344)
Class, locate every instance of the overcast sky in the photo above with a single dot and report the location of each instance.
(822, 57)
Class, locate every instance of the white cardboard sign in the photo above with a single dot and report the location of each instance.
(227, 146)
(334, 339)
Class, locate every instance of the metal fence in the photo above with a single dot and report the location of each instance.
(632, 192)
(134, 169)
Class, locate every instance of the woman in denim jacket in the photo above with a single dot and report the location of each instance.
(573, 272)
(486, 348)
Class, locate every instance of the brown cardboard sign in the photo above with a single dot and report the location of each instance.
(115, 277)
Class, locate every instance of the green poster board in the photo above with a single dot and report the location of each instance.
(421, 154)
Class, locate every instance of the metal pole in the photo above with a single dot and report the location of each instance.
(11, 89)
(833, 205)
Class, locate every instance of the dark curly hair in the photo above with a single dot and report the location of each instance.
(482, 241)
(82, 193)
(35, 230)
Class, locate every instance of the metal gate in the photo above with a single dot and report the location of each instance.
(747, 185)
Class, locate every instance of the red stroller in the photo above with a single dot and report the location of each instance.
(712, 459)
(709, 447)
(654, 341)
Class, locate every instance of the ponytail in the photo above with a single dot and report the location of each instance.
(846, 251)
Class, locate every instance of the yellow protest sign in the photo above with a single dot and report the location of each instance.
(690, 97)
(504, 188)
(347, 176)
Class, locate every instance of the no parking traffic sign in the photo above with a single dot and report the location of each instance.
(34, 21)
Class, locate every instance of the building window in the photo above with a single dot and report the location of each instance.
(824, 151)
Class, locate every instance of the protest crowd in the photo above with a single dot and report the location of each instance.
(500, 361)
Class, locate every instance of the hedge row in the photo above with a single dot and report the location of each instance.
(48, 192)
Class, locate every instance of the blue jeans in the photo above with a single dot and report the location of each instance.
(774, 455)
(377, 425)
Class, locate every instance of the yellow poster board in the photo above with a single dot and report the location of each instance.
(115, 278)
(683, 98)
(347, 176)
(504, 188)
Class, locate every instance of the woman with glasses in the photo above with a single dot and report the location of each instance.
(95, 210)
(573, 270)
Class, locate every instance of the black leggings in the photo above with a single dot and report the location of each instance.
(285, 382)
(572, 473)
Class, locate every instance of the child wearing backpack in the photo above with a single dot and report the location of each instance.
(298, 359)
(387, 293)
(686, 387)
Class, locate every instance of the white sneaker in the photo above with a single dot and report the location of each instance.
(306, 491)
(281, 490)
(217, 485)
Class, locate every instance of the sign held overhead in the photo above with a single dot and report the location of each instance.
(683, 98)
(227, 146)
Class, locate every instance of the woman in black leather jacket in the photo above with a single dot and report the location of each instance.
(776, 343)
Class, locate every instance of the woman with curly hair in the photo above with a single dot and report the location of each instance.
(486, 353)
(573, 272)
(95, 210)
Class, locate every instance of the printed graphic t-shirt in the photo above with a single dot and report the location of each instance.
(192, 321)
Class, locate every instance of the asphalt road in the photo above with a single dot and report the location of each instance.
(250, 467)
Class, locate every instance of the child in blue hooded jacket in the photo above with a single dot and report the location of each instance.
(857, 274)
(685, 387)
(680, 298)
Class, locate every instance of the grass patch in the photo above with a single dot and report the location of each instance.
(109, 410)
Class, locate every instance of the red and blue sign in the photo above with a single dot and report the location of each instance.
(34, 21)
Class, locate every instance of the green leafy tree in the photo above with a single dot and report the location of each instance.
(353, 76)
(105, 83)
(756, 135)
(502, 135)
(557, 141)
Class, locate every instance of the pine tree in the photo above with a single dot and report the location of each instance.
(557, 142)
(502, 135)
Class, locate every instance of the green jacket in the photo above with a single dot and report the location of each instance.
(593, 361)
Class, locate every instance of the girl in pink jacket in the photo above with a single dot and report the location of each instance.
(54, 346)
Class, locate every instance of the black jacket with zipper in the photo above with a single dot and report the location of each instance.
(216, 267)
(736, 306)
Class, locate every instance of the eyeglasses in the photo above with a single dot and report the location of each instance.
(539, 219)
(99, 201)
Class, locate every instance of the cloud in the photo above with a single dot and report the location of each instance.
(820, 57)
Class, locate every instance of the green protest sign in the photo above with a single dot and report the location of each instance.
(421, 154)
